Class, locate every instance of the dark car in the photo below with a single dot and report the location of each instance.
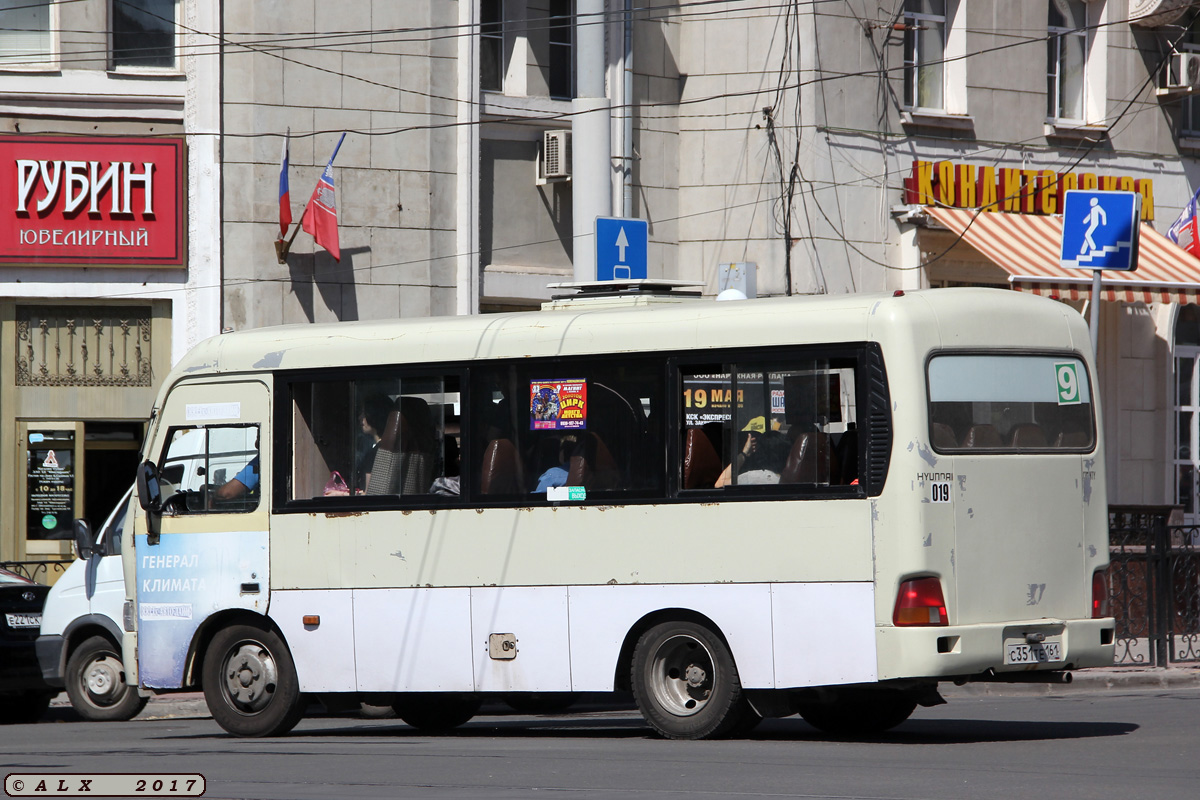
(24, 696)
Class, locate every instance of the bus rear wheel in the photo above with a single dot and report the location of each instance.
(436, 712)
(859, 712)
(250, 682)
(96, 683)
(686, 684)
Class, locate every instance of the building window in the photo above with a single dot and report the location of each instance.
(143, 33)
(1187, 412)
(561, 67)
(491, 45)
(25, 32)
(1189, 121)
(1066, 74)
(924, 53)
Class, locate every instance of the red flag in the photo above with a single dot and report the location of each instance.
(320, 215)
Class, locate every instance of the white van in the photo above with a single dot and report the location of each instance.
(79, 646)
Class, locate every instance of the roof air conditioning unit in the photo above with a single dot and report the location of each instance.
(1183, 72)
(556, 154)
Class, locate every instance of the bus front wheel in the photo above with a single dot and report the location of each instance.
(686, 684)
(96, 683)
(250, 682)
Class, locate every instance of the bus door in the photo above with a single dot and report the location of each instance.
(207, 551)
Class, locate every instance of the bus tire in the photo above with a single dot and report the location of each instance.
(859, 712)
(250, 682)
(96, 683)
(437, 712)
(686, 684)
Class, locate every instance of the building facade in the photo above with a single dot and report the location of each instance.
(810, 140)
(109, 253)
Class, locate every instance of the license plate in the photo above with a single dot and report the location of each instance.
(24, 620)
(1043, 653)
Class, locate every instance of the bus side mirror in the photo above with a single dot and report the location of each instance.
(83, 538)
(149, 495)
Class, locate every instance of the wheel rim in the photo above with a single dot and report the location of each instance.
(682, 675)
(102, 680)
(249, 676)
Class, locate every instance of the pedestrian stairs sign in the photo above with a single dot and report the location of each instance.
(1100, 230)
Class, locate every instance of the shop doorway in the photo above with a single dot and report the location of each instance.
(110, 459)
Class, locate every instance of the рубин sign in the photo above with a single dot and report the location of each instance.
(92, 201)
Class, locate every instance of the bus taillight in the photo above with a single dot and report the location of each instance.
(1099, 595)
(920, 602)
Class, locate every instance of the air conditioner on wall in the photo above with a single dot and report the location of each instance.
(1183, 73)
(556, 154)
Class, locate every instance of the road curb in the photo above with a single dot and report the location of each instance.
(1096, 679)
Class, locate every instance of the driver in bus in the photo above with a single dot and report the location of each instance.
(241, 484)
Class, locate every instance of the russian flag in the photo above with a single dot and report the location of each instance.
(285, 200)
(320, 215)
(1183, 231)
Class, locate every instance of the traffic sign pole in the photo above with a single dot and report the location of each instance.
(1100, 231)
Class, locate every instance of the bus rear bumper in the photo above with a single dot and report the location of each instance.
(1023, 646)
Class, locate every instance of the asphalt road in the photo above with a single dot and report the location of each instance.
(1071, 744)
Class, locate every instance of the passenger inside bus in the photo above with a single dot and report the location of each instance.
(767, 459)
(558, 474)
(418, 446)
(373, 417)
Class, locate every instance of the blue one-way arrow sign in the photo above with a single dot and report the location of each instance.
(621, 246)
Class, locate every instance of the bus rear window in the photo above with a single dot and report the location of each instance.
(1009, 403)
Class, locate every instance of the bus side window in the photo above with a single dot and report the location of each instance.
(770, 423)
(384, 437)
(588, 423)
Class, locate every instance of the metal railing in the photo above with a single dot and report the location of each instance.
(1154, 586)
(38, 571)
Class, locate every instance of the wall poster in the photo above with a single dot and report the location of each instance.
(50, 475)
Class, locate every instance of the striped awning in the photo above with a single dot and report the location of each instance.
(1028, 247)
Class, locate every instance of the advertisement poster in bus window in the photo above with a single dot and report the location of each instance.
(708, 398)
(558, 405)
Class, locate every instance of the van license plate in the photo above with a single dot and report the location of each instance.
(1043, 653)
(24, 620)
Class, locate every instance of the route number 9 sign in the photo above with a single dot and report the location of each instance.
(1067, 375)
